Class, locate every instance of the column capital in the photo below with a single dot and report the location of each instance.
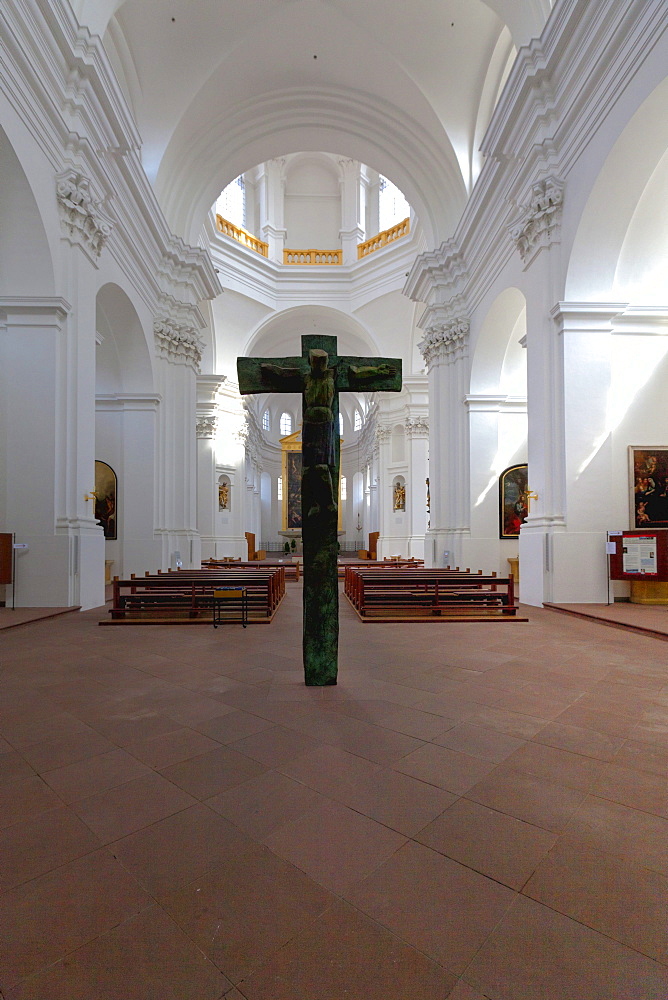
(416, 427)
(176, 343)
(445, 343)
(206, 426)
(539, 224)
(82, 219)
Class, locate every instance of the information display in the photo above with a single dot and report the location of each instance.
(638, 555)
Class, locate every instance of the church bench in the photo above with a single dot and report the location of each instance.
(429, 595)
(292, 569)
(186, 596)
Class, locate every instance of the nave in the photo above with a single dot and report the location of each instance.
(474, 812)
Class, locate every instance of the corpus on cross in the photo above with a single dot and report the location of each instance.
(319, 374)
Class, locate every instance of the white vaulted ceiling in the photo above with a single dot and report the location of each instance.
(217, 86)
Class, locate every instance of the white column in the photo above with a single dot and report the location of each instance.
(417, 441)
(562, 543)
(445, 351)
(383, 492)
(47, 379)
(352, 225)
(271, 190)
(126, 437)
(178, 356)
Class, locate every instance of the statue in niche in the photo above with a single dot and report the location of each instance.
(399, 496)
(223, 496)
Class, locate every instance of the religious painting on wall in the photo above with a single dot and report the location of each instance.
(648, 481)
(105, 498)
(513, 506)
(294, 494)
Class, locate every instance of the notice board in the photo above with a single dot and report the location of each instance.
(640, 555)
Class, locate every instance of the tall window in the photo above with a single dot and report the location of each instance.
(344, 488)
(340, 425)
(358, 421)
(279, 494)
(266, 423)
(285, 424)
(232, 202)
(392, 206)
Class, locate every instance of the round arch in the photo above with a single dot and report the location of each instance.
(498, 363)
(123, 357)
(600, 267)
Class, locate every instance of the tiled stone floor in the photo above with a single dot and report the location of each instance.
(474, 811)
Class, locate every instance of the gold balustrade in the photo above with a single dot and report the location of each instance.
(313, 256)
(241, 236)
(382, 239)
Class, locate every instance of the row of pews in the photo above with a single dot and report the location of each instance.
(379, 593)
(186, 597)
(292, 569)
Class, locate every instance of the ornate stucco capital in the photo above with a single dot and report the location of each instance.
(176, 343)
(417, 426)
(206, 427)
(445, 343)
(539, 225)
(82, 218)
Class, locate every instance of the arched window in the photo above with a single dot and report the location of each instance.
(340, 425)
(358, 421)
(285, 424)
(266, 422)
(392, 206)
(232, 202)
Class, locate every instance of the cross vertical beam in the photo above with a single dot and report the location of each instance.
(319, 373)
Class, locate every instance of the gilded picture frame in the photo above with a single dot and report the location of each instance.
(648, 487)
(513, 507)
(106, 485)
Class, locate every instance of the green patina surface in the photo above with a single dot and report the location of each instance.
(319, 380)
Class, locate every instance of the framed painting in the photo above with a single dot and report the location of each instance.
(648, 487)
(513, 508)
(105, 498)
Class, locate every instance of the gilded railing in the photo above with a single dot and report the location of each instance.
(313, 256)
(241, 236)
(382, 239)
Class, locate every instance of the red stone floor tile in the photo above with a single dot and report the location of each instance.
(493, 843)
(344, 954)
(263, 804)
(620, 899)
(538, 954)
(274, 746)
(559, 766)
(609, 723)
(213, 772)
(13, 766)
(94, 775)
(334, 845)
(433, 903)
(171, 748)
(449, 769)
(637, 789)
(144, 958)
(48, 755)
(624, 832)
(641, 757)
(535, 800)
(247, 909)
(131, 806)
(44, 919)
(503, 721)
(232, 726)
(33, 847)
(478, 741)
(180, 848)
(578, 740)
(463, 991)
(24, 798)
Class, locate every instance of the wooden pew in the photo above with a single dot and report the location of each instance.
(292, 569)
(186, 596)
(403, 595)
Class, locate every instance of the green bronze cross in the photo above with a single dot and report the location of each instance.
(320, 374)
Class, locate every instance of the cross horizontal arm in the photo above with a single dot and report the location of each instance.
(271, 374)
(372, 374)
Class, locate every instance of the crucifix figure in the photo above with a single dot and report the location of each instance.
(319, 374)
